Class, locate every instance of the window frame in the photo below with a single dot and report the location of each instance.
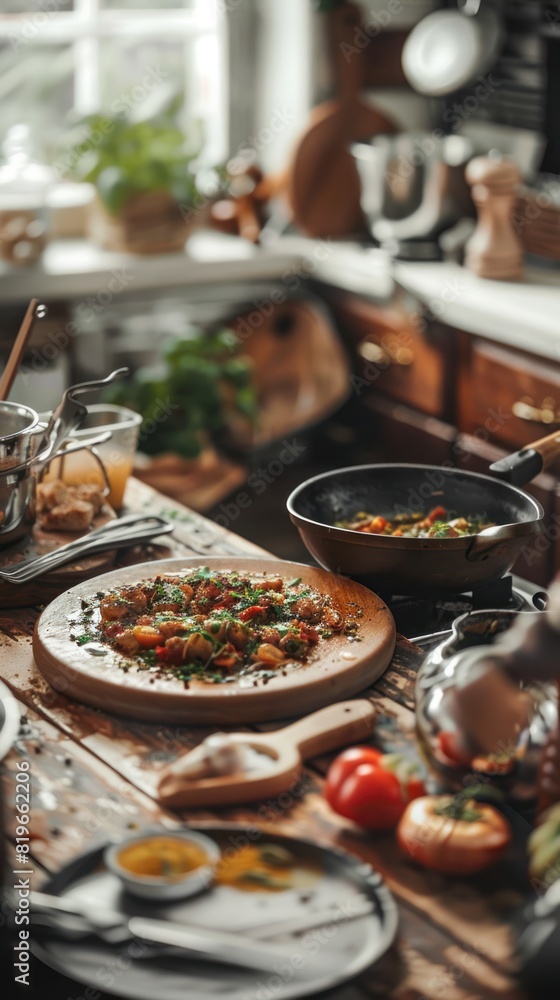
(90, 23)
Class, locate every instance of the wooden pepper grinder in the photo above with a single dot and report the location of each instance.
(494, 249)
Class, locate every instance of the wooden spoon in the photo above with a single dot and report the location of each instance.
(18, 348)
(323, 183)
(325, 730)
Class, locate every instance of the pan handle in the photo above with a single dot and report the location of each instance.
(490, 540)
(524, 465)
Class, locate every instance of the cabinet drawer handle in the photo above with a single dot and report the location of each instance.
(526, 409)
(387, 355)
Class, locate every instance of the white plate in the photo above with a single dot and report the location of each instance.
(327, 959)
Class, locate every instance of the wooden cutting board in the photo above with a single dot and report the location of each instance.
(50, 585)
(323, 185)
(330, 677)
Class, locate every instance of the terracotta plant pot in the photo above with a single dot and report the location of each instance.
(150, 222)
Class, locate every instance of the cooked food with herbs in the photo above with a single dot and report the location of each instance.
(437, 524)
(266, 868)
(214, 626)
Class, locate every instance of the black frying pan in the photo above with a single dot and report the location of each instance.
(415, 565)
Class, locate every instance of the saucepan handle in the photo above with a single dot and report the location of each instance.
(526, 464)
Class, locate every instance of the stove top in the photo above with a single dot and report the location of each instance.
(427, 621)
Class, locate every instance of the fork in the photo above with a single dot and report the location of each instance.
(117, 534)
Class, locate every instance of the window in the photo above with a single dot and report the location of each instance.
(116, 56)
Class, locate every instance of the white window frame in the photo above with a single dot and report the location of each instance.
(90, 23)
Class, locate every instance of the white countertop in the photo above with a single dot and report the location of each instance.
(524, 314)
(73, 269)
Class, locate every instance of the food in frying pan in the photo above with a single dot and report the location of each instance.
(214, 626)
(437, 524)
(67, 508)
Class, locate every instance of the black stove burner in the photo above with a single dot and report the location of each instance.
(422, 616)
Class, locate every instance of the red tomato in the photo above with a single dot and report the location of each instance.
(147, 636)
(455, 841)
(252, 612)
(437, 514)
(226, 602)
(308, 634)
(450, 750)
(372, 788)
(343, 766)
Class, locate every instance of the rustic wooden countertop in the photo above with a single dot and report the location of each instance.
(93, 776)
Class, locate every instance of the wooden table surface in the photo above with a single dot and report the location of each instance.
(94, 775)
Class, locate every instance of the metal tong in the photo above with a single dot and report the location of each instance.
(70, 412)
(67, 417)
(120, 533)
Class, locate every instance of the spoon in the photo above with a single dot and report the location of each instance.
(34, 310)
(283, 753)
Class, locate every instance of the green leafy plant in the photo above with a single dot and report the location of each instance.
(124, 158)
(202, 388)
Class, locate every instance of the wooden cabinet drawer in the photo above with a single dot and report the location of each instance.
(396, 354)
(404, 435)
(507, 397)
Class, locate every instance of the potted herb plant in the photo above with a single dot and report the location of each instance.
(142, 174)
(197, 400)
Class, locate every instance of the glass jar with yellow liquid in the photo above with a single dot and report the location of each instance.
(117, 454)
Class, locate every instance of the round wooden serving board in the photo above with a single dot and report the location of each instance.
(330, 677)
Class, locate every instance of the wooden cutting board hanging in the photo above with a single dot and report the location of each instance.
(323, 180)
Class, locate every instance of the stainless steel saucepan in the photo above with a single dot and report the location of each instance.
(28, 445)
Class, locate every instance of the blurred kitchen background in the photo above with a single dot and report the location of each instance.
(319, 234)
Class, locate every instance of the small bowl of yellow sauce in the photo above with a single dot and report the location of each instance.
(164, 865)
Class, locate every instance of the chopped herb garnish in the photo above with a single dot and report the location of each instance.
(198, 630)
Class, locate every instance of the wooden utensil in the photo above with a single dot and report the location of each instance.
(339, 669)
(325, 730)
(18, 348)
(323, 182)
